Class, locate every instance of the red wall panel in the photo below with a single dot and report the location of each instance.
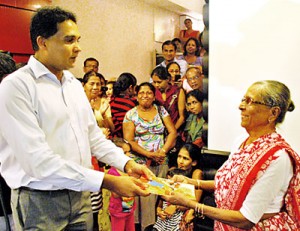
(15, 19)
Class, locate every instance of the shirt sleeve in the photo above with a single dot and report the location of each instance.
(267, 194)
(163, 111)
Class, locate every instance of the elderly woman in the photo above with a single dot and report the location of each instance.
(93, 84)
(143, 128)
(257, 188)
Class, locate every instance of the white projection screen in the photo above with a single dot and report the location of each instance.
(251, 40)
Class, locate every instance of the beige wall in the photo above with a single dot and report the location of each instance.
(121, 34)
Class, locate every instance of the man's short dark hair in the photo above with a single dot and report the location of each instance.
(44, 23)
(90, 59)
(168, 42)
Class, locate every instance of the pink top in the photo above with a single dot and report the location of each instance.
(120, 206)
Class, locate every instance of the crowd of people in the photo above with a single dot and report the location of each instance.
(93, 141)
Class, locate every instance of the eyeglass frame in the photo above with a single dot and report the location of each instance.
(194, 78)
(248, 100)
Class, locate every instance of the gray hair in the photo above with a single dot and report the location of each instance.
(275, 94)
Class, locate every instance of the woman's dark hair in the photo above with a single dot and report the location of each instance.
(45, 21)
(7, 65)
(152, 88)
(195, 154)
(197, 94)
(197, 52)
(170, 63)
(87, 76)
(275, 94)
(161, 72)
(124, 81)
(138, 87)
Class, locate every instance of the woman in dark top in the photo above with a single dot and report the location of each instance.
(122, 100)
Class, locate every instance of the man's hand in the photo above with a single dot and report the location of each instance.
(125, 185)
(138, 170)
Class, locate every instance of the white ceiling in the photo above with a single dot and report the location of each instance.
(192, 8)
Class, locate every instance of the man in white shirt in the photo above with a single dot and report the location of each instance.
(48, 133)
(169, 53)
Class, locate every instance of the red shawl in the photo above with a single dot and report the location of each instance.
(232, 188)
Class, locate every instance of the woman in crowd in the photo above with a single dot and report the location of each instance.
(93, 84)
(257, 188)
(184, 35)
(144, 127)
(195, 121)
(122, 101)
(189, 162)
(173, 69)
(191, 52)
(169, 96)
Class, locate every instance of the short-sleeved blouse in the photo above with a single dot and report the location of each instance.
(148, 134)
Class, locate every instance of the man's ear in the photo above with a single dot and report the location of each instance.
(41, 42)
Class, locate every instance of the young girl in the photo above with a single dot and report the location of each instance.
(109, 91)
(121, 209)
(194, 124)
(170, 217)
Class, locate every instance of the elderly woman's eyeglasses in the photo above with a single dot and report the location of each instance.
(248, 100)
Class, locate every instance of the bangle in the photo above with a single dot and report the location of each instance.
(164, 150)
(199, 210)
(198, 184)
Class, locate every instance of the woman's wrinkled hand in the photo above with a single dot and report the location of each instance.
(176, 198)
(178, 178)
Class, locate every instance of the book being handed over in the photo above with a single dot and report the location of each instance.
(161, 186)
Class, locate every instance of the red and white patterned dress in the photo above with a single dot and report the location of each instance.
(242, 170)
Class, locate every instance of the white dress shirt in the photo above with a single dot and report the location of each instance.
(48, 133)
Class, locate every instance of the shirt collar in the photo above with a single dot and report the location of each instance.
(40, 70)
